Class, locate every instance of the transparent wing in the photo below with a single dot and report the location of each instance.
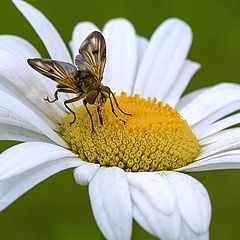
(63, 73)
(92, 55)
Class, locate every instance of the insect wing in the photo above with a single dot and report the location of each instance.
(63, 73)
(92, 55)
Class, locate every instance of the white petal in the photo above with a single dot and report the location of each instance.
(158, 222)
(25, 165)
(7, 117)
(153, 185)
(80, 32)
(186, 99)
(10, 103)
(193, 200)
(188, 234)
(24, 156)
(225, 141)
(156, 205)
(20, 50)
(137, 214)
(18, 46)
(204, 236)
(222, 112)
(187, 71)
(9, 132)
(84, 173)
(218, 126)
(8, 88)
(15, 70)
(142, 47)
(231, 161)
(111, 203)
(46, 31)
(210, 101)
(164, 57)
(121, 63)
(219, 135)
(13, 65)
(227, 153)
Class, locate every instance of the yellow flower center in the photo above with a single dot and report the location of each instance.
(154, 138)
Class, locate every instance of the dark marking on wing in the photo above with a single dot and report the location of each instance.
(92, 55)
(63, 73)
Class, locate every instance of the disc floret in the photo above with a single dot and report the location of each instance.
(154, 138)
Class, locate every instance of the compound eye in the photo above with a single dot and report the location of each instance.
(91, 96)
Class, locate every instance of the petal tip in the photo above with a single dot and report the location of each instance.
(119, 22)
(177, 22)
(18, 2)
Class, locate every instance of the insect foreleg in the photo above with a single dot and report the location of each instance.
(55, 97)
(85, 104)
(56, 94)
(69, 109)
(100, 115)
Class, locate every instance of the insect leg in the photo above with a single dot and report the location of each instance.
(85, 104)
(100, 115)
(115, 100)
(69, 109)
(56, 94)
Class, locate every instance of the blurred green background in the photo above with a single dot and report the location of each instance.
(58, 208)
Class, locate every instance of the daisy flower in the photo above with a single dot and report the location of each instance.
(134, 171)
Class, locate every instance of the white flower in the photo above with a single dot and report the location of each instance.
(167, 204)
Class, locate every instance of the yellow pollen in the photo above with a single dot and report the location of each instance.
(154, 138)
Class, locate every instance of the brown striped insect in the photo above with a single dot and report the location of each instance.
(84, 79)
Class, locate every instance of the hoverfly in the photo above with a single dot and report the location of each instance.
(84, 79)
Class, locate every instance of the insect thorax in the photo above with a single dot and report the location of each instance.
(89, 84)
